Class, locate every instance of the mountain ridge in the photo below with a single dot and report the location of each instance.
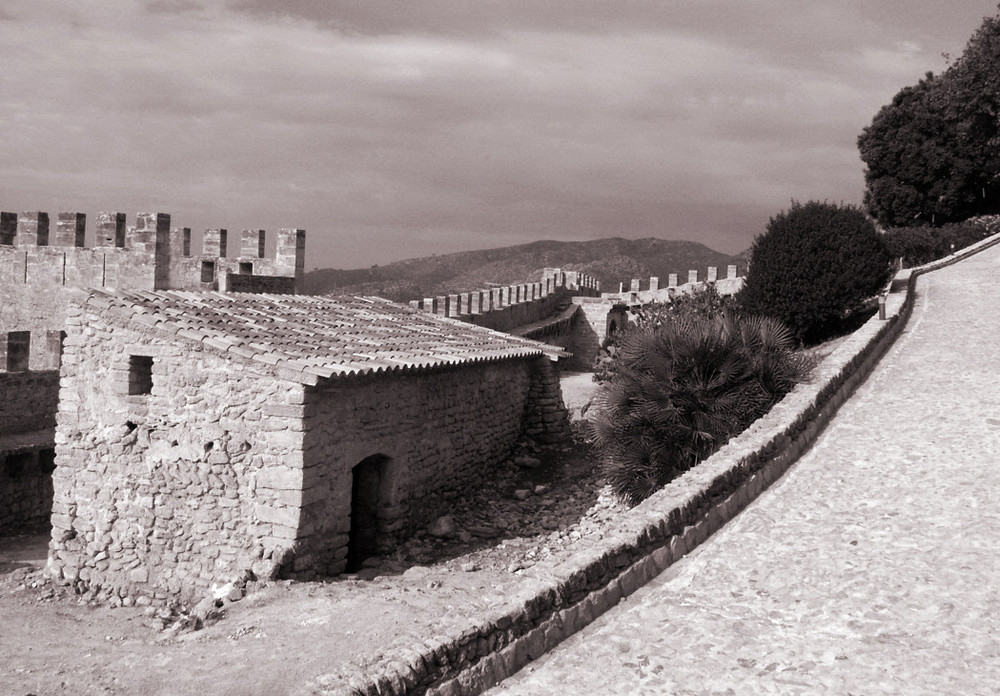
(611, 260)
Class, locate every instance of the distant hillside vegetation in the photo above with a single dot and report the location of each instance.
(611, 261)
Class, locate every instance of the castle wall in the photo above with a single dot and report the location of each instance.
(26, 467)
(41, 268)
(28, 401)
(509, 307)
(45, 267)
(164, 494)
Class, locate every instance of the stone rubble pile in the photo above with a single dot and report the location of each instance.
(541, 500)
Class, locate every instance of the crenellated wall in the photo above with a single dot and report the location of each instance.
(45, 263)
(642, 291)
(602, 316)
(42, 265)
(512, 306)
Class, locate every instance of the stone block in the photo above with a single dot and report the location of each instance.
(280, 478)
(280, 516)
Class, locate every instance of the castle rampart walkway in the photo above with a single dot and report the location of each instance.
(872, 567)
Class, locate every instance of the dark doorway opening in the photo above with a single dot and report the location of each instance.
(368, 485)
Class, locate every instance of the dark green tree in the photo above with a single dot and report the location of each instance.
(814, 266)
(933, 153)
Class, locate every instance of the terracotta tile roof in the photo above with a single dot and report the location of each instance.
(319, 336)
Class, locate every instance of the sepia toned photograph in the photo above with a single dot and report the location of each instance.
(500, 347)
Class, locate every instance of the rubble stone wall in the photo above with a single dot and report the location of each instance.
(25, 486)
(28, 401)
(162, 495)
(440, 430)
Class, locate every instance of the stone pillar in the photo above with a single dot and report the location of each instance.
(110, 230)
(252, 243)
(8, 228)
(546, 418)
(654, 283)
(32, 229)
(672, 280)
(214, 243)
(713, 274)
(731, 271)
(692, 276)
(290, 252)
(71, 229)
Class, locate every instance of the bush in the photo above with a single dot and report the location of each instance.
(814, 265)
(682, 389)
(920, 245)
(703, 302)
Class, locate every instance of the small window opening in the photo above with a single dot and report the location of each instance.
(18, 350)
(208, 271)
(246, 268)
(140, 374)
(186, 242)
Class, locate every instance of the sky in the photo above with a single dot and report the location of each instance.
(391, 129)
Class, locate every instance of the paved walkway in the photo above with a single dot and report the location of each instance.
(872, 567)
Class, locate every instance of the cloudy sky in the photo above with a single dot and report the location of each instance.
(397, 128)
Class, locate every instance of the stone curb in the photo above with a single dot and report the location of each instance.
(557, 599)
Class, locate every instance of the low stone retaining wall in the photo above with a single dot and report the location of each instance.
(559, 598)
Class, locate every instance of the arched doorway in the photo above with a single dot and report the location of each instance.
(369, 488)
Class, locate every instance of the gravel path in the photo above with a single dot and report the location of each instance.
(872, 567)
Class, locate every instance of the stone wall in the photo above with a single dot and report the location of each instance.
(25, 484)
(164, 494)
(41, 272)
(28, 401)
(181, 467)
(434, 433)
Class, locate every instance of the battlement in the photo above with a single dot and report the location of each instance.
(641, 291)
(506, 307)
(149, 255)
(42, 265)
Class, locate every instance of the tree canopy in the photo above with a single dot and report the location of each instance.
(813, 267)
(933, 153)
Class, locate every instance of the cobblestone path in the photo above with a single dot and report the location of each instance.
(872, 567)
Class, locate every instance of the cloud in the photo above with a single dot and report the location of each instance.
(390, 129)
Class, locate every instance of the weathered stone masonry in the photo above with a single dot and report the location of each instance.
(45, 262)
(232, 457)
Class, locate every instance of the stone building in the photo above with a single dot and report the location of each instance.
(205, 436)
(44, 266)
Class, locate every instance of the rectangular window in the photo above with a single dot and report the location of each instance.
(140, 374)
(208, 271)
(18, 350)
(186, 242)
(246, 268)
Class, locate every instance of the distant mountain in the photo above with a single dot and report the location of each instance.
(611, 261)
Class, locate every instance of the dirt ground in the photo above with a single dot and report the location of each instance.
(284, 634)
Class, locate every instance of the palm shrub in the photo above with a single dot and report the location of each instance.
(682, 389)
(703, 302)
